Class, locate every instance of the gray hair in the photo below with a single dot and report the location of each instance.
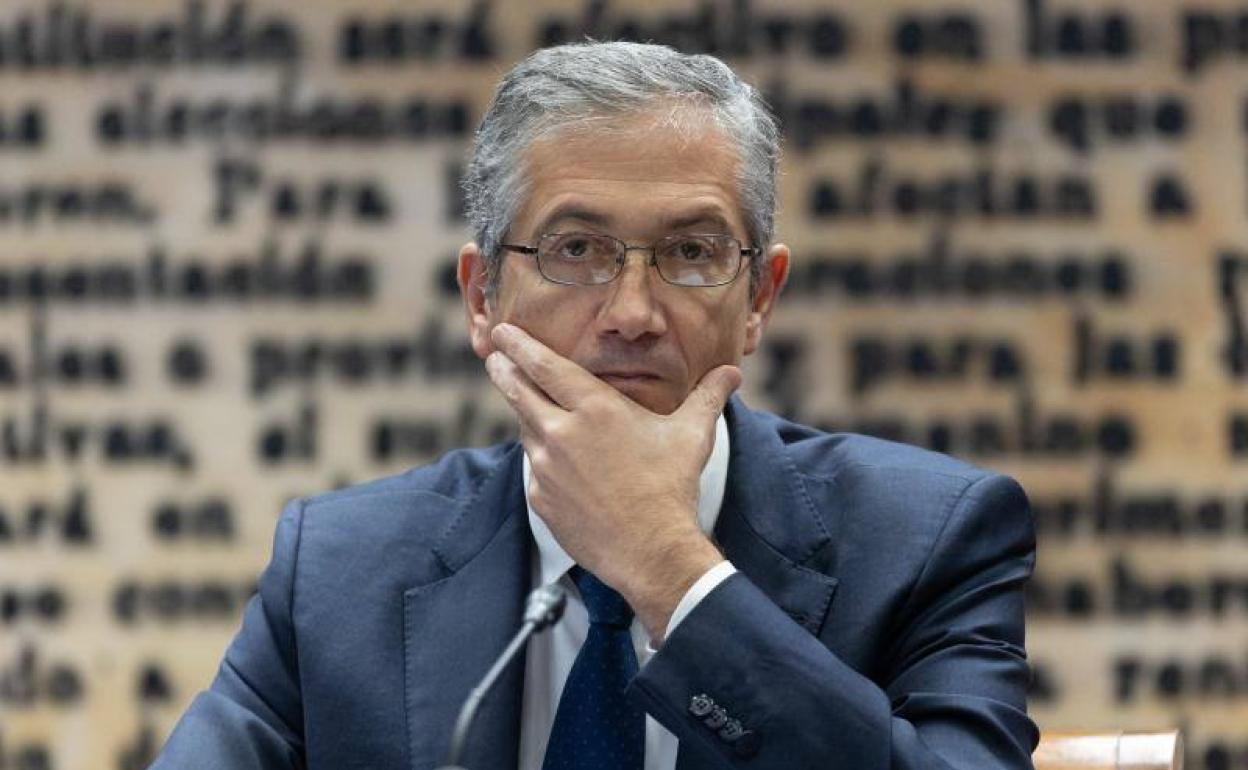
(567, 85)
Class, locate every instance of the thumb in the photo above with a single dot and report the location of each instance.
(712, 392)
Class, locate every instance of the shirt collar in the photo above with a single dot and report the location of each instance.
(554, 561)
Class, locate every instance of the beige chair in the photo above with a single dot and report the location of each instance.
(1110, 751)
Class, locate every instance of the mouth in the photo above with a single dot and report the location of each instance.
(626, 378)
(645, 388)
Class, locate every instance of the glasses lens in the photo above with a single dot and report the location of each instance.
(698, 260)
(580, 258)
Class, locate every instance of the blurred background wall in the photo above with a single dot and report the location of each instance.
(227, 231)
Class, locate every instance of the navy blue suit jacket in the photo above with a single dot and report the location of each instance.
(876, 622)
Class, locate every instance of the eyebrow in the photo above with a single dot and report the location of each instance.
(574, 211)
(707, 216)
(598, 219)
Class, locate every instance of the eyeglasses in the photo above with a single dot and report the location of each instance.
(590, 259)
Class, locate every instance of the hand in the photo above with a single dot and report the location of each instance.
(616, 483)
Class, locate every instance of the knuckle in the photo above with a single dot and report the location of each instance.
(538, 458)
(710, 399)
(540, 368)
(558, 430)
(594, 405)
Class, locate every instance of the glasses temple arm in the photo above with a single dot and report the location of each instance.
(518, 247)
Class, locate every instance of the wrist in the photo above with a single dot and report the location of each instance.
(659, 585)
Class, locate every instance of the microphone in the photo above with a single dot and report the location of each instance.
(542, 609)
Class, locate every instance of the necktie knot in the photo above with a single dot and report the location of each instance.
(604, 604)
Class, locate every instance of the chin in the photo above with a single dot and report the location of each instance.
(652, 395)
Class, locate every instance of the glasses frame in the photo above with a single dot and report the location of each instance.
(535, 252)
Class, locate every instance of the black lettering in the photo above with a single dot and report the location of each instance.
(1075, 35)
(1169, 198)
(1209, 37)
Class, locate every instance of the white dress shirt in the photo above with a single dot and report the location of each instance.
(551, 653)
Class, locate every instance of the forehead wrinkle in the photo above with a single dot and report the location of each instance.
(691, 179)
(602, 135)
(679, 207)
(574, 210)
(708, 217)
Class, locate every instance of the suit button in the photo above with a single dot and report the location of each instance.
(731, 731)
(717, 718)
(747, 745)
(701, 705)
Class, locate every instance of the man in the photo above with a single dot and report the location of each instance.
(744, 592)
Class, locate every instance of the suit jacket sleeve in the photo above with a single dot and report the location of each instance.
(252, 715)
(949, 693)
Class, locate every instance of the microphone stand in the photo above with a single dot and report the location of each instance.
(542, 609)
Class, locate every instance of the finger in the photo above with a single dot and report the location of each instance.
(563, 381)
(529, 403)
(529, 439)
(706, 401)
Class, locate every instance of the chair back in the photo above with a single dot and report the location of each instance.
(1110, 751)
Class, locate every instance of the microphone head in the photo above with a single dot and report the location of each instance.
(545, 606)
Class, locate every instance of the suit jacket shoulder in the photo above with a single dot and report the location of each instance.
(399, 518)
(822, 455)
(893, 516)
(455, 476)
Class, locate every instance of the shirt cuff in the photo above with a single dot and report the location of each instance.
(698, 591)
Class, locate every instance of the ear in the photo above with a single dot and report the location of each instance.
(472, 281)
(775, 273)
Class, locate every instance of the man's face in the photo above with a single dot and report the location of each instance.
(648, 339)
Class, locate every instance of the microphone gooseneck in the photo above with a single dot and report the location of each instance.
(542, 609)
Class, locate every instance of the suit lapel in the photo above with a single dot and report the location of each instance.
(769, 529)
(456, 626)
(768, 526)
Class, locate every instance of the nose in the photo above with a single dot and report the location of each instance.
(631, 310)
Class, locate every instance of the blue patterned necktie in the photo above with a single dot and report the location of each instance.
(596, 728)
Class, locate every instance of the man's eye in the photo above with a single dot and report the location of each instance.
(574, 248)
(693, 250)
